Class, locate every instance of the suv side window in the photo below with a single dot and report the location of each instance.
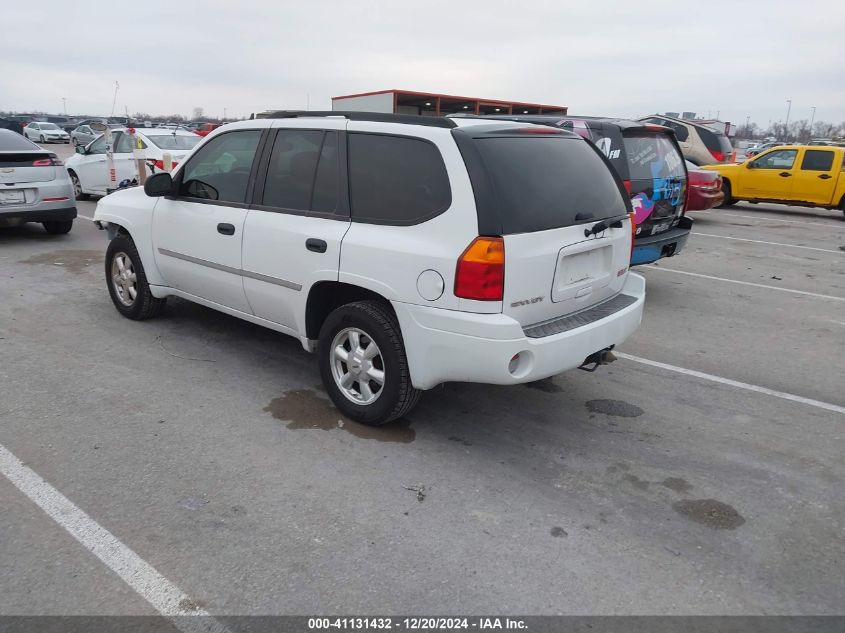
(817, 160)
(396, 179)
(303, 171)
(781, 159)
(220, 169)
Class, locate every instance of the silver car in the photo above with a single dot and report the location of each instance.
(87, 132)
(34, 186)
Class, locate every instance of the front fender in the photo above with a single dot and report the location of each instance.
(132, 210)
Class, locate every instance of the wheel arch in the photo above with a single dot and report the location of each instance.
(325, 296)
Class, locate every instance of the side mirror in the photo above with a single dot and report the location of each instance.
(80, 150)
(157, 185)
(751, 165)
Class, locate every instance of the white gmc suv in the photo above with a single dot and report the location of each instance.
(406, 251)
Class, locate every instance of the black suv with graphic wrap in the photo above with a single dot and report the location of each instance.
(649, 160)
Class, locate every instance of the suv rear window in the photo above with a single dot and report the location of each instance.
(652, 156)
(714, 141)
(548, 182)
(396, 179)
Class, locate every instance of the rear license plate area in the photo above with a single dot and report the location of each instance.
(14, 196)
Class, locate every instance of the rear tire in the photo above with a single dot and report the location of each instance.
(127, 281)
(363, 363)
(58, 227)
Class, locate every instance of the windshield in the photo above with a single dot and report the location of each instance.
(48, 126)
(547, 182)
(174, 141)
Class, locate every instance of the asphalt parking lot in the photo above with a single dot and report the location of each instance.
(204, 445)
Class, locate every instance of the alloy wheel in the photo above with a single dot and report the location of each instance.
(357, 366)
(124, 279)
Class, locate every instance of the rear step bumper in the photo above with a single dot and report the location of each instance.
(650, 249)
(452, 346)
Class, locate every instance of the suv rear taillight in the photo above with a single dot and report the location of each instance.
(631, 216)
(720, 156)
(480, 274)
(53, 161)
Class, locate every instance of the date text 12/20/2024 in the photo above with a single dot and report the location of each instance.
(416, 624)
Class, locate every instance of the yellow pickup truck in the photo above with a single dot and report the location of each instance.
(807, 175)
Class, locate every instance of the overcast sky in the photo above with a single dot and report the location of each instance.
(735, 58)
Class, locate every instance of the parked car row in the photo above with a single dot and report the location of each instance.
(88, 171)
(517, 273)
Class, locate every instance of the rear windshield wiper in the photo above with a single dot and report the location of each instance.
(607, 223)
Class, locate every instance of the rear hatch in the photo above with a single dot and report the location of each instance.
(22, 161)
(717, 144)
(656, 179)
(563, 215)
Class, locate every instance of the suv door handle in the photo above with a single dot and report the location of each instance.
(315, 245)
(825, 176)
(784, 174)
(225, 228)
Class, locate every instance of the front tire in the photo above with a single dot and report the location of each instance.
(726, 189)
(58, 227)
(77, 186)
(127, 281)
(363, 363)
(42, 140)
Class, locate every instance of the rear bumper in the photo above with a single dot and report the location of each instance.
(700, 200)
(453, 346)
(14, 217)
(653, 247)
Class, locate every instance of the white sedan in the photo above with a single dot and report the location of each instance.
(45, 133)
(88, 168)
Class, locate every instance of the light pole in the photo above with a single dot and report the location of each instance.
(747, 123)
(224, 113)
(786, 125)
(64, 105)
(812, 118)
(114, 101)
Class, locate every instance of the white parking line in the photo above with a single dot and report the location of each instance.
(742, 239)
(744, 283)
(163, 595)
(837, 225)
(79, 215)
(735, 383)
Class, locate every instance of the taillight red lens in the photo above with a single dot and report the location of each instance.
(633, 233)
(480, 273)
(53, 161)
(720, 156)
(627, 184)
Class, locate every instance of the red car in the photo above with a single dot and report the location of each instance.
(705, 189)
(207, 128)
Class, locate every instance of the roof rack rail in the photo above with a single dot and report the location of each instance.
(380, 117)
